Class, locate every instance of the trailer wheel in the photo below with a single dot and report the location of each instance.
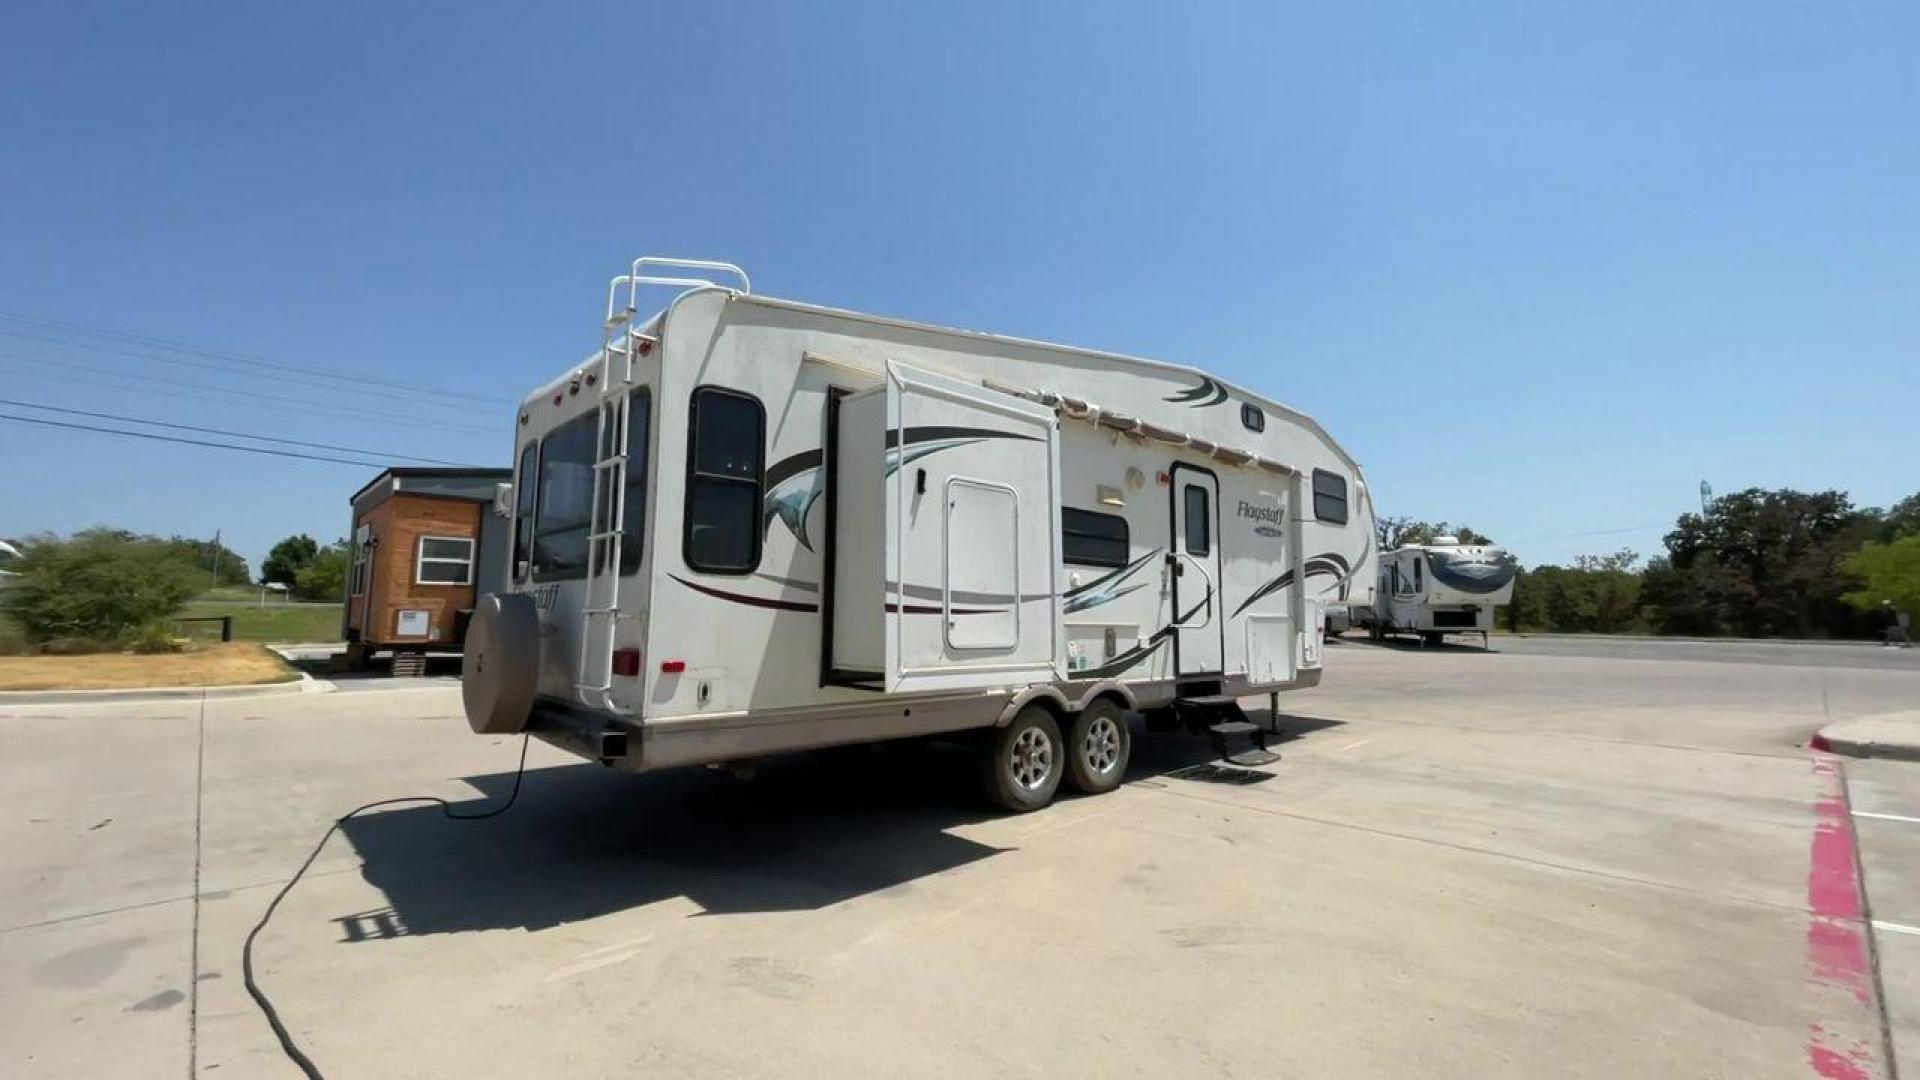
(1098, 745)
(1024, 761)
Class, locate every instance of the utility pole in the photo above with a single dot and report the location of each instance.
(216, 558)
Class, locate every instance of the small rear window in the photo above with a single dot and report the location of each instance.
(1329, 497)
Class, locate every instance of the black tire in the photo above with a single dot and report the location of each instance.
(1431, 640)
(1098, 746)
(1024, 761)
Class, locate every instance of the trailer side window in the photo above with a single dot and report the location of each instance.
(565, 500)
(1199, 521)
(1329, 497)
(1419, 574)
(1091, 539)
(525, 484)
(633, 520)
(726, 462)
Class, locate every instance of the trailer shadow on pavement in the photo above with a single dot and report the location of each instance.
(809, 830)
(1466, 646)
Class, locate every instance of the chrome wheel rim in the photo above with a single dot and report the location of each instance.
(1031, 759)
(1101, 749)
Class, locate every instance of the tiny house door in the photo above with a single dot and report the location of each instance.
(1195, 565)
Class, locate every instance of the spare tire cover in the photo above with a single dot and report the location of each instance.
(501, 663)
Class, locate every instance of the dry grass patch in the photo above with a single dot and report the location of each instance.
(235, 664)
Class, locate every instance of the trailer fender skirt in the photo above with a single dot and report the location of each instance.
(1111, 688)
(499, 670)
(1026, 697)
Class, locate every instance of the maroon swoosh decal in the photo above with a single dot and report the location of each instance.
(802, 605)
(750, 601)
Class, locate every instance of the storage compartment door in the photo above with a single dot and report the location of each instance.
(974, 527)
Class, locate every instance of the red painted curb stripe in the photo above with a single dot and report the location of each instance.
(1837, 953)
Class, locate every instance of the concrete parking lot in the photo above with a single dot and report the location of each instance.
(1533, 861)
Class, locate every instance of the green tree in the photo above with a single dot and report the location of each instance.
(1397, 532)
(100, 585)
(283, 563)
(1887, 572)
(1761, 564)
(325, 577)
(222, 564)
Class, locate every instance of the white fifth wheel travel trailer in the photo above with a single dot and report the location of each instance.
(748, 526)
(1437, 589)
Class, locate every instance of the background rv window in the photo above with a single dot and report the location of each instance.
(525, 484)
(1090, 539)
(725, 462)
(1329, 497)
(565, 500)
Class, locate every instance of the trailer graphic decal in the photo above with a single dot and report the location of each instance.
(1327, 565)
(1129, 658)
(1106, 588)
(1212, 391)
(796, 482)
(779, 604)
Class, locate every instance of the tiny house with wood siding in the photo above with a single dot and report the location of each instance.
(425, 544)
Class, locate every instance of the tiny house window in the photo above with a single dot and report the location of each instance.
(564, 503)
(1199, 521)
(1329, 497)
(444, 560)
(525, 486)
(1252, 417)
(357, 580)
(725, 466)
(1091, 539)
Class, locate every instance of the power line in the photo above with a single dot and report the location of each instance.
(223, 431)
(1598, 532)
(187, 442)
(142, 381)
(248, 359)
(303, 379)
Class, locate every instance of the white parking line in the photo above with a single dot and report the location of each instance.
(1898, 928)
(1887, 817)
(1356, 745)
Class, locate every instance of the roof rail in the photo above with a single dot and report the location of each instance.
(633, 279)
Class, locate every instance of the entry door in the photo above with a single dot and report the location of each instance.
(1197, 612)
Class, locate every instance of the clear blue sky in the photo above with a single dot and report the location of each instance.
(1541, 269)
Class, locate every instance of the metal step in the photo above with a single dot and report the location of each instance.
(1213, 701)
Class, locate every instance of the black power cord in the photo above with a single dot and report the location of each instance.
(287, 1044)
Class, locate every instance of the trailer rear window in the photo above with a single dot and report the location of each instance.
(726, 463)
(1329, 497)
(525, 484)
(565, 500)
(1091, 539)
(633, 520)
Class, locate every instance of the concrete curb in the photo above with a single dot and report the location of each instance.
(1894, 736)
(1828, 643)
(305, 684)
